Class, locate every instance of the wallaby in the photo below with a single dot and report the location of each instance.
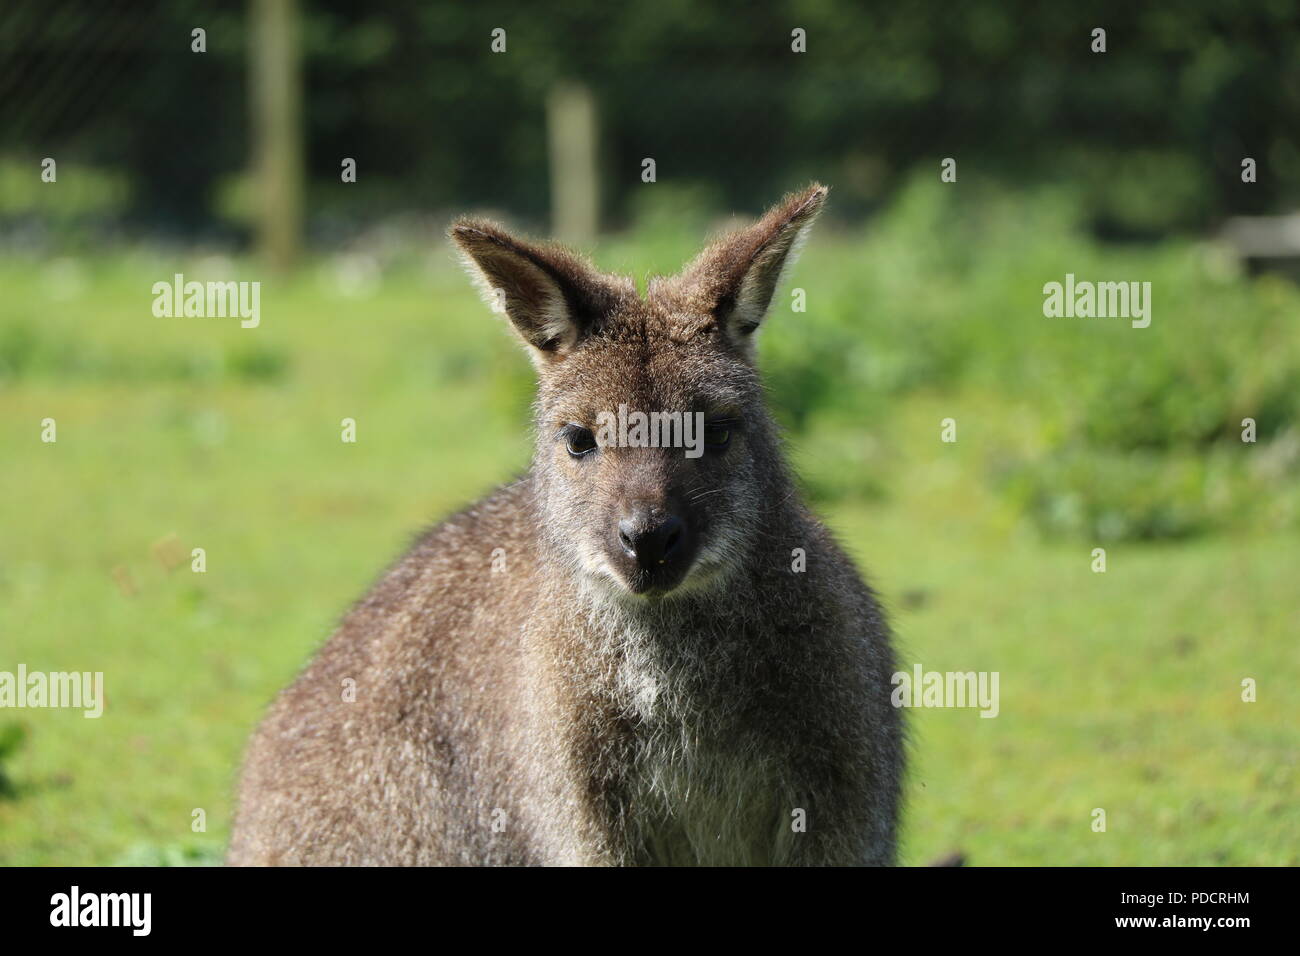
(632, 654)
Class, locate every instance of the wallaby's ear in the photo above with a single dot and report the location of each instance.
(550, 295)
(740, 273)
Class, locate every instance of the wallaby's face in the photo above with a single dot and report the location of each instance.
(654, 449)
(649, 519)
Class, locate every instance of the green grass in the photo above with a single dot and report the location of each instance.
(1118, 690)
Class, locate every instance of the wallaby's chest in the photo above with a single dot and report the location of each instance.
(697, 782)
(698, 805)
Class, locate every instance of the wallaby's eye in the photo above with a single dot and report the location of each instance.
(579, 441)
(717, 435)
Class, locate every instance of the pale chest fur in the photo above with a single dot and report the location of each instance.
(700, 785)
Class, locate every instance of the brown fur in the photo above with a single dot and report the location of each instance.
(545, 713)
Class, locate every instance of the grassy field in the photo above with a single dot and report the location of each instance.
(1119, 691)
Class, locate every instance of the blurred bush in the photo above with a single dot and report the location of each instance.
(1137, 432)
(1152, 132)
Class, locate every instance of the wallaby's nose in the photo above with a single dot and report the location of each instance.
(651, 540)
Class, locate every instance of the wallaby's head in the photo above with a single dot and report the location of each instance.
(657, 465)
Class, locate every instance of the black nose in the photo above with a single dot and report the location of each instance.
(651, 541)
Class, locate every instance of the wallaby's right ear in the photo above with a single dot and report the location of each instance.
(550, 295)
(740, 273)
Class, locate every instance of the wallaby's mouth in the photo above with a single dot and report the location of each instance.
(657, 582)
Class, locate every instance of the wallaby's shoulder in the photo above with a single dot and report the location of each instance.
(835, 569)
(443, 580)
(448, 554)
(809, 571)
(497, 527)
(435, 619)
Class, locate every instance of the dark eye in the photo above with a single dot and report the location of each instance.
(579, 441)
(717, 436)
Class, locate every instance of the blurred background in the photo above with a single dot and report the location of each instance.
(223, 155)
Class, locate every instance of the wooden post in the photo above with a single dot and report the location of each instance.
(575, 184)
(276, 89)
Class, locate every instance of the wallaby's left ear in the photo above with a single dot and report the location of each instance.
(741, 272)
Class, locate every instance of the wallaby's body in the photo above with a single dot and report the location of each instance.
(653, 676)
